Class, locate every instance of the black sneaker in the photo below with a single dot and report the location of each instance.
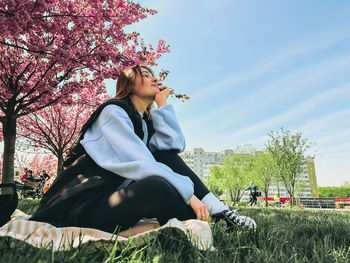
(232, 219)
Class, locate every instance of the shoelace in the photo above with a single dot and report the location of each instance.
(232, 215)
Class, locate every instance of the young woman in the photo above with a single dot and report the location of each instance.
(126, 166)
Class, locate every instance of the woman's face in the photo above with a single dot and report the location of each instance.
(146, 85)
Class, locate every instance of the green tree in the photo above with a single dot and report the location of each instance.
(264, 171)
(288, 151)
(342, 191)
(346, 183)
(232, 175)
(213, 182)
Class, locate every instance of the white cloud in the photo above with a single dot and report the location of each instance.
(235, 79)
(315, 44)
(295, 112)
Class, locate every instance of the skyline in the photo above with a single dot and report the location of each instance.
(251, 68)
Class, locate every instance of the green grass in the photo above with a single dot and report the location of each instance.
(283, 235)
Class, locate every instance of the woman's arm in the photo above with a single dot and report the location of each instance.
(113, 145)
(168, 133)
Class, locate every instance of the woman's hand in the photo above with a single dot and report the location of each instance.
(162, 96)
(200, 209)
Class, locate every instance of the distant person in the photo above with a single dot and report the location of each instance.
(25, 175)
(253, 193)
(44, 175)
(48, 181)
(30, 176)
(277, 200)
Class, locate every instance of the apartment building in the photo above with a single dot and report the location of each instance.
(305, 188)
(200, 161)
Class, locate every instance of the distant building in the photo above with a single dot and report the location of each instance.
(311, 172)
(200, 162)
(307, 179)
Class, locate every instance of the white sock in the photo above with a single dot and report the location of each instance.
(214, 204)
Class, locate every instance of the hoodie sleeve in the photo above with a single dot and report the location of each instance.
(168, 133)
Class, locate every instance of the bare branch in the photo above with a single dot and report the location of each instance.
(6, 13)
(21, 74)
(24, 48)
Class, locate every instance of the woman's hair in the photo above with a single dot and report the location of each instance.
(126, 83)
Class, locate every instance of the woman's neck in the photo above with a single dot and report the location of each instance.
(140, 104)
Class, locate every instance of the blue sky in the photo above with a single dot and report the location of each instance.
(254, 66)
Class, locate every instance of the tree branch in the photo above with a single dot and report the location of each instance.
(21, 100)
(41, 107)
(24, 48)
(6, 13)
(45, 141)
(6, 72)
(21, 74)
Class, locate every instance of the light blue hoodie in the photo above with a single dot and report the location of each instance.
(112, 143)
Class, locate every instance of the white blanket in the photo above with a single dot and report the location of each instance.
(41, 234)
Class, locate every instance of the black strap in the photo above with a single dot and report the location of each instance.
(126, 105)
(150, 127)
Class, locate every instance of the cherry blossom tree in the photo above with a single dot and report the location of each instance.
(55, 129)
(59, 51)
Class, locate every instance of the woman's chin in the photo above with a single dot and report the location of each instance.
(150, 97)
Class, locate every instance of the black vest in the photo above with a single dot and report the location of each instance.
(82, 181)
(78, 150)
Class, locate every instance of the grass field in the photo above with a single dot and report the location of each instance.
(283, 235)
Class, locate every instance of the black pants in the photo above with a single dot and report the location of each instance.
(147, 198)
(253, 199)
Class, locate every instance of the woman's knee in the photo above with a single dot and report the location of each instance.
(156, 181)
(159, 186)
(164, 155)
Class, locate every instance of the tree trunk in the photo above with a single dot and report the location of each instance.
(238, 193)
(231, 195)
(291, 198)
(59, 163)
(293, 192)
(266, 197)
(9, 134)
(241, 195)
